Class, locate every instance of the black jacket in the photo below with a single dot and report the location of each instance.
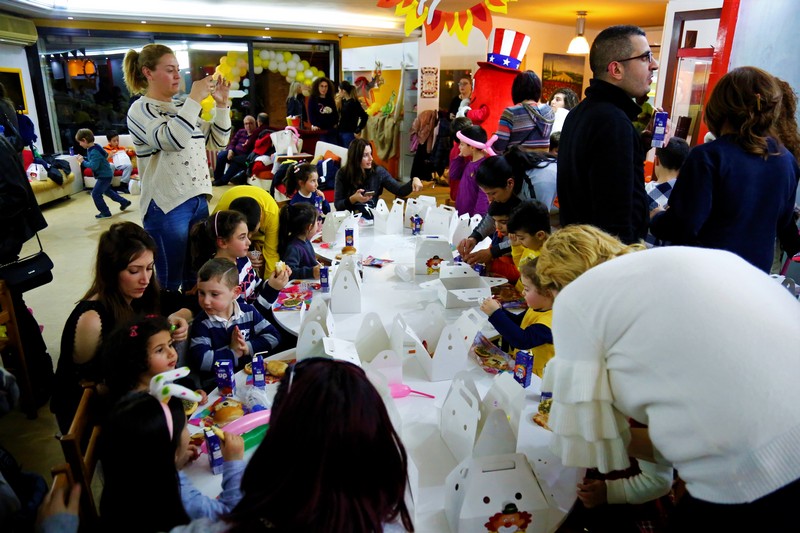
(601, 165)
(20, 216)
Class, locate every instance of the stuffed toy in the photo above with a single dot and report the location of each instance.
(492, 82)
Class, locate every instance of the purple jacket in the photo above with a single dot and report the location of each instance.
(470, 198)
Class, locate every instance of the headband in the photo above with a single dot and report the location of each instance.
(486, 147)
(162, 388)
(216, 216)
(295, 135)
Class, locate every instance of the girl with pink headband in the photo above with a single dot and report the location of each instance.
(474, 147)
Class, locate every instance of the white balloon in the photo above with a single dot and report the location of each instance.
(263, 54)
(309, 74)
(258, 70)
(246, 81)
(235, 72)
(234, 86)
(292, 64)
(296, 58)
(273, 65)
(282, 68)
(291, 74)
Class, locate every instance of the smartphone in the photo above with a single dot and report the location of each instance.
(369, 193)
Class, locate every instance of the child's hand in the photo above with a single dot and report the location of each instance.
(316, 271)
(481, 256)
(489, 306)
(466, 246)
(279, 281)
(203, 396)
(79, 158)
(238, 344)
(512, 238)
(232, 447)
(55, 503)
(181, 332)
(592, 492)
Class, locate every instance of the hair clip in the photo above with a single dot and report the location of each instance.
(133, 331)
(162, 386)
(758, 102)
(486, 147)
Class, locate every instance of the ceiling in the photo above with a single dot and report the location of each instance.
(352, 17)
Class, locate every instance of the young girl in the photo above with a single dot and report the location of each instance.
(136, 352)
(474, 148)
(225, 235)
(145, 443)
(301, 186)
(530, 331)
(298, 223)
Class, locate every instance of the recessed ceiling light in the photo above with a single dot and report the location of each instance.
(266, 29)
(208, 25)
(266, 37)
(144, 22)
(70, 18)
(319, 31)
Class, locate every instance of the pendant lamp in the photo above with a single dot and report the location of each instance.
(579, 44)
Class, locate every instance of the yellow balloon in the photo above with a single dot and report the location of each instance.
(207, 103)
(287, 56)
(225, 69)
(206, 115)
(230, 61)
(233, 55)
(307, 82)
(256, 61)
(300, 76)
(304, 64)
(222, 60)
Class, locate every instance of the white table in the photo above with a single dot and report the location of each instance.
(434, 461)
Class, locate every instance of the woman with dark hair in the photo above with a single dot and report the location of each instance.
(737, 192)
(359, 184)
(562, 101)
(527, 123)
(353, 118)
(322, 111)
(123, 287)
(526, 175)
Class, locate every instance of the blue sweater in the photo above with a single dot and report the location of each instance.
(211, 337)
(97, 160)
(314, 199)
(729, 199)
(198, 505)
(300, 257)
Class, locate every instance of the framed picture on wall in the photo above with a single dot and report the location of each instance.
(430, 82)
(560, 70)
(11, 78)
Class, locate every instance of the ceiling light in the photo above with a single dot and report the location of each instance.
(144, 22)
(579, 44)
(208, 25)
(319, 31)
(70, 18)
(266, 29)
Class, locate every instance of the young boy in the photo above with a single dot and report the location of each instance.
(225, 329)
(97, 160)
(122, 163)
(531, 331)
(502, 264)
(528, 227)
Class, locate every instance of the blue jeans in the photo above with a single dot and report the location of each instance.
(100, 188)
(171, 233)
(346, 138)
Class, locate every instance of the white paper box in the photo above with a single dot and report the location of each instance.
(427, 249)
(444, 341)
(309, 341)
(506, 394)
(440, 221)
(318, 312)
(461, 286)
(458, 423)
(389, 222)
(499, 489)
(346, 291)
(341, 350)
(333, 221)
(461, 229)
(418, 206)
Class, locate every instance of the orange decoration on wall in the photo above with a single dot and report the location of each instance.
(447, 15)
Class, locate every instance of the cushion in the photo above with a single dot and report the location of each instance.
(330, 155)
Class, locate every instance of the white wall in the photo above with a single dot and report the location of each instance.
(14, 57)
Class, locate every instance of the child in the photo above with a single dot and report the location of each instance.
(302, 181)
(138, 351)
(122, 162)
(298, 223)
(474, 148)
(528, 229)
(144, 446)
(225, 329)
(225, 235)
(530, 331)
(97, 160)
(457, 161)
(502, 263)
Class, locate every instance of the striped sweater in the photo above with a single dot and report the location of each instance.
(170, 140)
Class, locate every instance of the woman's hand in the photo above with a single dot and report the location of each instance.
(592, 492)
(181, 332)
(232, 447)
(466, 246)
(279, 281)
(416, 184)
(55, 503)
(221, 91)
(203, 396)
(359, 197)
(202, 88)
(489, 306)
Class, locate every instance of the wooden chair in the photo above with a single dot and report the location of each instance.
(80, 451)
(14, 359)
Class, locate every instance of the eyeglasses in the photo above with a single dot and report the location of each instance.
(646, 57)
(463, 83)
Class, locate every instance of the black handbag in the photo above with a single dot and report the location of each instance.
(29, 272)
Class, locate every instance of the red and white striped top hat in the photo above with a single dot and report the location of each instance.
(507, 48)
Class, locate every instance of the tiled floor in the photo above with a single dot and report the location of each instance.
(71, 241)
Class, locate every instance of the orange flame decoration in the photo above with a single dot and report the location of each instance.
(458, 22)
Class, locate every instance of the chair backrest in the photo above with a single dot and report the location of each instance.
(14, 360)
(323, 147)
(80, 451)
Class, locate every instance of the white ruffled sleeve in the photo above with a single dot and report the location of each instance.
(587, 430)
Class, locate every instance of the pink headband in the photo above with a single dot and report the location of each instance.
(486, 147)
(295, 135)
(162, 388)
(168, 416)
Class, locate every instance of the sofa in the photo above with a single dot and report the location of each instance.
(101, 140)
(48, 190)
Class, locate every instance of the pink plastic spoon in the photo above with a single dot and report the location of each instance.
(400, 390)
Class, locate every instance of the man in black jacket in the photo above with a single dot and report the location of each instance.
(601, 156)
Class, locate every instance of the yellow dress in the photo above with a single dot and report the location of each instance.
(544, 352)
(522, 255)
